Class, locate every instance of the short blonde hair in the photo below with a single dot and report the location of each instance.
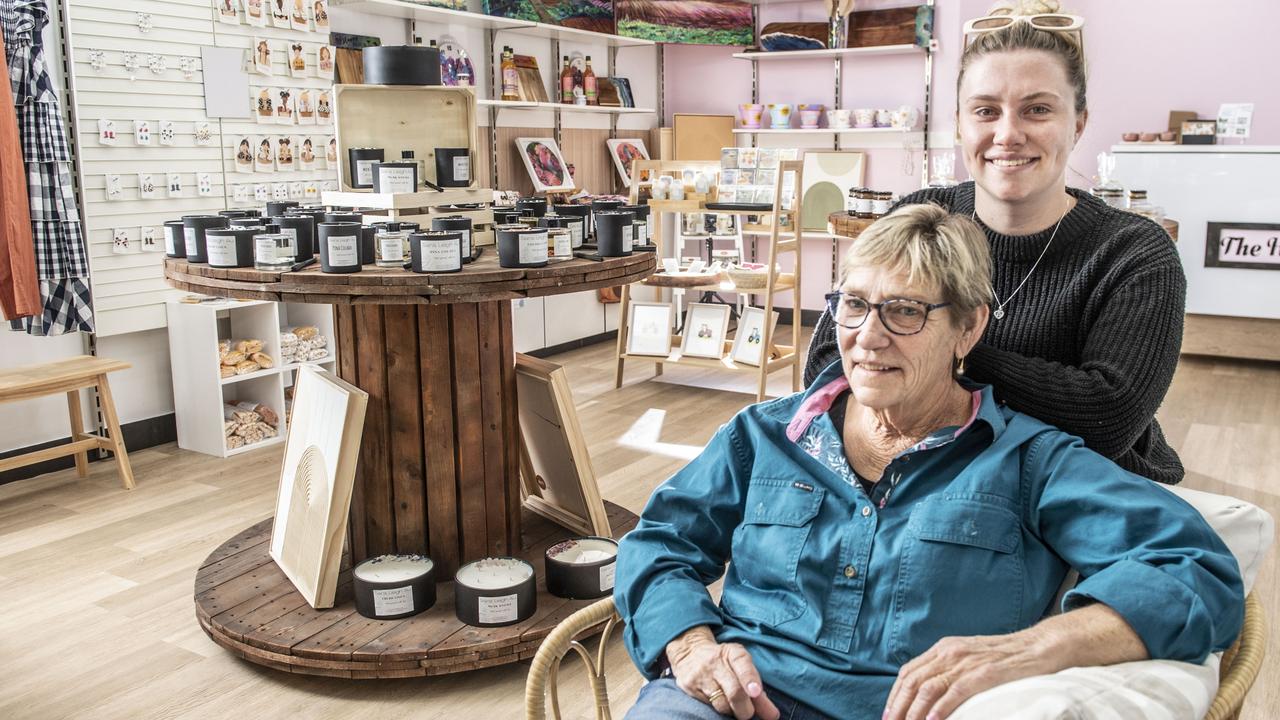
(934, 248)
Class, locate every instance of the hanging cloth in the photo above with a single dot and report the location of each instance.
(62, 264)
(19, 289)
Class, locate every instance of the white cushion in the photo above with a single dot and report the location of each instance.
(1145, 690)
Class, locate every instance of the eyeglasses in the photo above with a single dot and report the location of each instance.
(899, 316)
(1049, 22)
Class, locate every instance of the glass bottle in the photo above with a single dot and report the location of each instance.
(407, 156)
(464, 69)
(510, 76)
(566, 82)
(589, 84)
(1107, 189)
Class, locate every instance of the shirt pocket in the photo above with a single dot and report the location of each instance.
(767, 547)
(959, 573)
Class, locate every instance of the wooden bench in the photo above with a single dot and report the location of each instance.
(70, 376)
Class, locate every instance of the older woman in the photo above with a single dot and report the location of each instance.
(1087, 320)
(895, 537)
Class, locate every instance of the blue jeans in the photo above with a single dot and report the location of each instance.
(662, 699)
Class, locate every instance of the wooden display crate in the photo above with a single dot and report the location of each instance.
(403, 117)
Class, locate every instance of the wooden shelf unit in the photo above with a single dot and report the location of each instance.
(778, 282)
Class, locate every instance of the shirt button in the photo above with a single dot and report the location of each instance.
(866, 511)
(850, 571)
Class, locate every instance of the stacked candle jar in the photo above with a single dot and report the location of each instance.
(461, 225)
(868, 204)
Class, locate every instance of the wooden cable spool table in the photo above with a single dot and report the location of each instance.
(439, 464)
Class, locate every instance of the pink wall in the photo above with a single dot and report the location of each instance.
(1146, 57)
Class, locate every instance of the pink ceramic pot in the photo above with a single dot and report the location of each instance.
(751, 115)
(810, 116)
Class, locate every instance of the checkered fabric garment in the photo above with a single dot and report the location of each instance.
(62, 263)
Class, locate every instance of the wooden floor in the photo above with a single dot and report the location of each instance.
(96, 616)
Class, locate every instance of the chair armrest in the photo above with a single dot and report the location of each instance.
(545, 666)
(1241, 663)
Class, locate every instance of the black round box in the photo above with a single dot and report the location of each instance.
(343, 230)
(613, 230)
(303, 229)
(411, 595)
(175, 241)
(449, 171)
(503, 215)
(461, 224)
(534, 206)
(580, 581)
(366, 158)
(511, 239)
(421, 242)
(580, 211)
(193, 229)
(401, 65)
(230, 247)
(493, 607)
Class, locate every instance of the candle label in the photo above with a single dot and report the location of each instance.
(364, 171)
(575, 229)
(642, 233)
(293, 236)
(564, 245)
(171, 240)
(880, 207)
(395, 180)
(221, 249)
(343, 251)
(533, 248)
(391, 247)
(627, 238)
(395, 601)
(462, 168)
(190, 235)
(499, 609)
(265, 250)
(439, 256)
(466, 243)
(606, 576)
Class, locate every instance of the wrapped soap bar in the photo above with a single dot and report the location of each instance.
(247, 366)
(264, 360)
(267, 431)
(248, 347)
(223, 346)
(234, 441)
(226, 371)
(229, 427)
(317, 354)
(319, 341)
(232, 357)
(305, 332)
(287, 338)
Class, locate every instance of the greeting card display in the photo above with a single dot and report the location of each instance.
(227, 12)
(284, 154)
(255, 12)
(264, 159)
(324, 62)
(262, 56)
(244, 155)
(297, 60)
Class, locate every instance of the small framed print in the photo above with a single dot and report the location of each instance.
(173, 183)
(768, 158)
(106, 132)
(746, 177)
(767, 176)
(262, 56)
(264, 159)
(729, 176)
(151, 239)
(728, 193)
(295, 191)
(113, 187)
(284, 106)
(298, 17)
(297, 60)
(227, 12)
(788, 154)
(167, 132)
(147, 188)
(307, 154)
(324, 62)
(141, 132)
(324, 108)
(306, 107)
(748, 157)
(255, 12)
(279, 191)
(728, 159)
(320, 15)
(204, 133)
(705, 327)
(748, 342)
(241, 194)
(122, 242)
(204, 184)
(649, 328)
(763, 194)
(284, 154)
(261, 192)
(265, 104)
(244, 155)
(280, 10)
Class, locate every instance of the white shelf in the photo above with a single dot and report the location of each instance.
(296, 365)
(427, 13)
(830, 53)
(573, 35)
(249, 376)
(257, 446)
(525, 104)
(822, 131)
(563, 107)
(1138, 147)
(406, 201)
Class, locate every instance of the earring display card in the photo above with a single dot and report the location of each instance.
(121, 243)
(280, 13)
(306, 107)
(174, 183)
(279, 191)
(262, 56)
(264, 104)
(151, 239)
(227, 12)
(310, 191)
(113, 187)
(295, 191)
(241, 194)
(298, 17)
(142, 132)
(297, 60)
(261, 192)
(204, 133)
(106, 132)
(320, 15)
(306, 154)
(324, 62)
(147, 188)
(284, 154)
(284, 106)
(204, 184)
(167, 132)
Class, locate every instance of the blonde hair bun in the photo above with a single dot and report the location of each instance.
(1025, 7)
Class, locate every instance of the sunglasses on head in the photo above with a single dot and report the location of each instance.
(1049, 22)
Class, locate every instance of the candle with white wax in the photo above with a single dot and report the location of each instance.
(581, 568)
(394, 586)
(494, 592)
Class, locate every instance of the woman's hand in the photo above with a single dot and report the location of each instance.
(722, 675)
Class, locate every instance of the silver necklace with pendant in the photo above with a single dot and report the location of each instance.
(998, 313)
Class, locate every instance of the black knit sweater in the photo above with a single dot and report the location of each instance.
(1091, 342)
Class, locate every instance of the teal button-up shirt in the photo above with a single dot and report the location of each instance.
(971, 532)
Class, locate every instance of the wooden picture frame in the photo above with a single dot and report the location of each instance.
(625, 152)
(557, 480)
(748, 341)
(828, 177)
(649, 328)
(705, 328)
(316, 480)
(550, 172)
(1242, 245)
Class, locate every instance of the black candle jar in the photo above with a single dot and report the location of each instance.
(360, 162)
(317, 217)
(613, 233)
(368, 240)
(564, 222)
(401, 65)
(505, 215)
(248, 222)
(578, 211)
(520, 246)
(395, 177)
(639, 223)
(453, 167)
(280, 207)
(582, 568)
(193, 229)
(175, 241)
(239, 213)
(495, 592)
(535, 206)
(436, 251)
(303, 230)
(340, 247)
(230, 247)
(354, 217)
(457, 223)
(387, 587)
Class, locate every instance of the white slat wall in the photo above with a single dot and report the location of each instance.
(129, 289)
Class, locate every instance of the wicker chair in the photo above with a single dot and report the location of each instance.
(1240, 663)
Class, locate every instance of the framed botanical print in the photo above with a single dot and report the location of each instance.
(545, 163)
(649, 328)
